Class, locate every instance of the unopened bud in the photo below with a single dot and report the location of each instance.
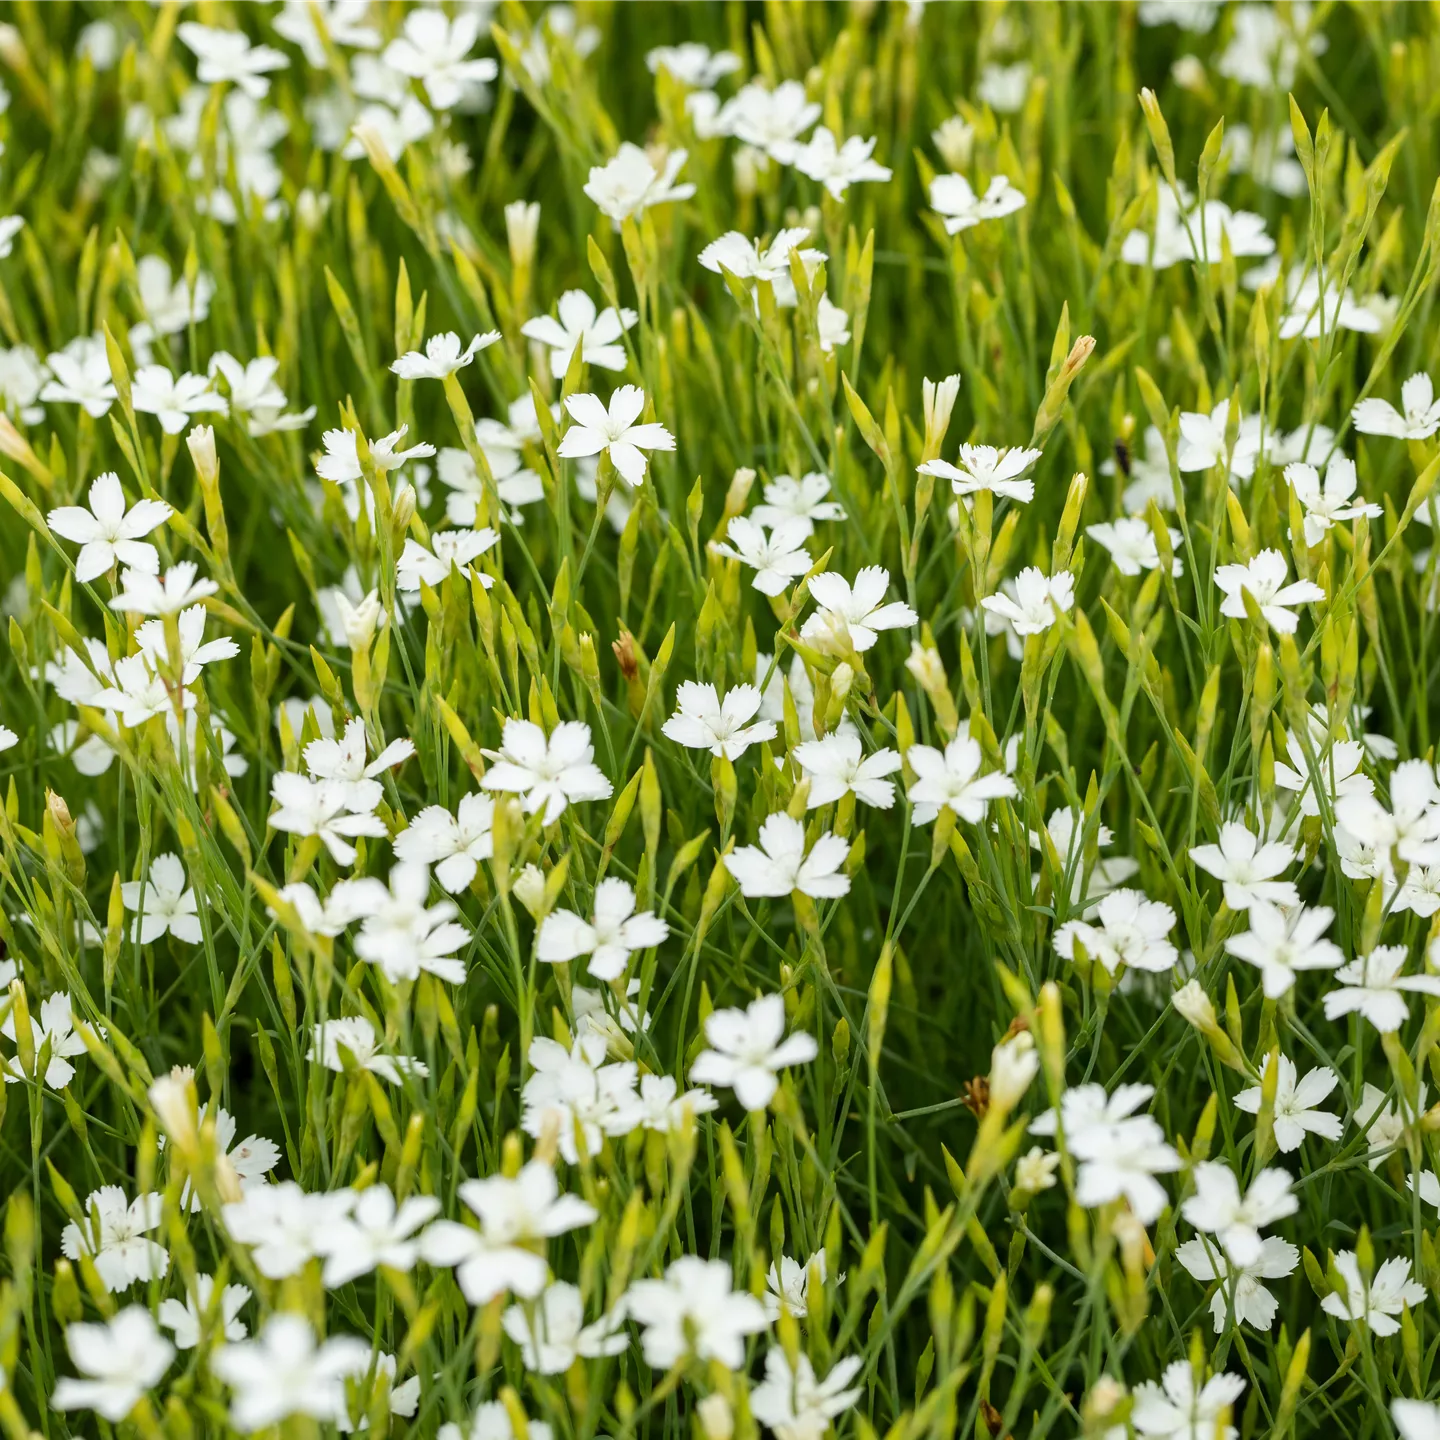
(201, 444)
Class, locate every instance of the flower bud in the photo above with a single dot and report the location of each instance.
(529, 890)
(939, 400)
(201, 444)
(955, 140)
(522, 224)
(716, 1418)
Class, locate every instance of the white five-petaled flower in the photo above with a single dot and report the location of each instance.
(196, 651)
(402, 933)
(228, 56)
(838, 166)
(118, 1362)
(837, 766)
(458, 549)
(1247, 867)
(770, 120)
(596, 333)
(1280, 943)
(284, 1371)
(507, 1252)
(695, 1310)
(608, 938)
(280, 1224)
(1376, 1304)
(953, 199)
(357, 1035)
(848, 616)
(797, 1405)
(747, 260)
(173, 399)
(692, 64)
(1038, 599)
(453, 844)
(1373, 986)
(747, 1052)
(443, 356)
(167, 904)
(1132, 931)
(779, 865)
(549, 772)
(316, 807)
(1264, 579)
(1132, 545)
(1218, 1208)
(1296, 1102)
(984, 467)
(114, 1235)
(1416, 1419)
(951, 780)
(702, 721)
(341, 462)
(1253, 1303)
(777, 557)
(55, 1027)
(787, 498)
(342, 763)
(376, 1231)
(80, 375)
(432, 48)
(107, 532)
(143, 594)
(1421, 417)
(1180, 1408)
(613, 432)
(552, 1333)
(188, 1319)
(1332, 501)
(629, 182)
(1204, 442)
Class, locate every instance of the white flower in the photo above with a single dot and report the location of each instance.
(1337, 768)
(516, 1217)
(770, 120)
(9, 739)
(283, 1372)
(694, 1311)
(777, 557)
(1248, 868)
(1003, 87)
(1373, 986)
(957, 204)
(1068, 830)
(1264, 578)
(660, 1106)
(443, 355)
(831, 325)
(614, 932)
(1295, 1103)
(312, 807)
(107, 532)
(838, 166)
(492, 1419)
(1203, 442)
(1132, 931)
(1194, 235)
(173, 399)
(228, 56)
(597, 333)
(746, 260)
(378, 1375)
(55, 1027)
(836, 766)
(614, 432)
(187, 1319)
(1218, 1208)
(848, 616)
(138, 693)
(797, 1406)
(448, 548)
(630, 183)
(1253, 1303)
(143, 594)
(550, 773)
(803, 500)
(343, 21)
(167, 904)
(281, 1222)
(357, 1035)
(342, 763)
(114, 1234)
(376, 1231)
(552, 1332)
(1131, 543)
(81, 376)
(1416, 1419)
(433, 47)
(341, 462)
(1179, 1408)
(1384, 1125)
(1333, 501)
(1390, 1290)
(1280, 943)
(983, 467)
(788, 1285)
(779, 864)
(118, 1362)
(22, 377)
(1037, 600)
(951, 780)
(1410, 827)
(453, 844)
(692, 64)
(703, 722)
(1306, 315)
(171, 303)
(402, 933)
(1421, 417)
(573, 1092)
(394, 130)
(10, 227)
(746, 1050)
